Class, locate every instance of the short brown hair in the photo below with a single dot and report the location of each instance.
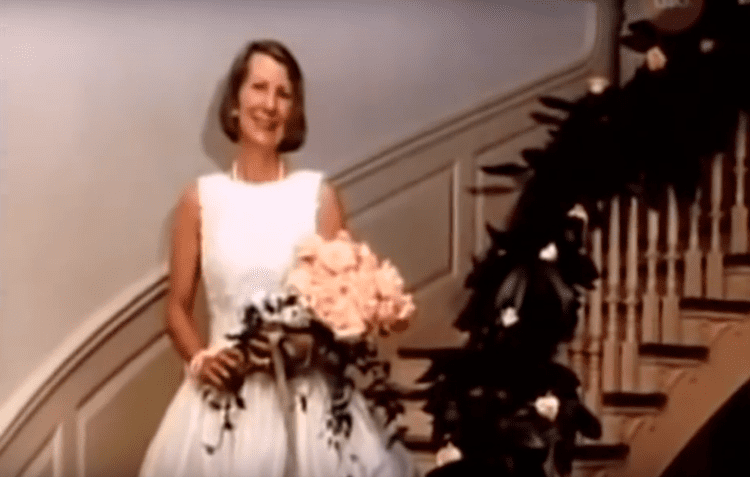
(296, 127)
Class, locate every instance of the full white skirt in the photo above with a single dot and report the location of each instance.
(257, 444)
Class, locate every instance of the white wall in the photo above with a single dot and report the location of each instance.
(106, 111)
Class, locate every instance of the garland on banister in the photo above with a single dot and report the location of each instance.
(501, 405)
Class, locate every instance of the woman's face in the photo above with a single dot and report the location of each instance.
(265, 102)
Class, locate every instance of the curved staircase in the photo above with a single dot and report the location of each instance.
(663, 342)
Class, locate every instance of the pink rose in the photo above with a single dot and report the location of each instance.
(386, 310)
(344, 320)
(301, 278)
(348, 288)
(310, 247)
(407, 308)
(390, 283)
(337, 255)
(368, 262)
(365, 285)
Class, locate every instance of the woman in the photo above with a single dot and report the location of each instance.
(240, 231)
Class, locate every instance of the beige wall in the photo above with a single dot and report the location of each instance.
(105, 115)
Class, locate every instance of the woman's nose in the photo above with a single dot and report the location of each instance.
(270, 102)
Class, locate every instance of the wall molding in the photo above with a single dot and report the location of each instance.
(68, 356)
(598, 62)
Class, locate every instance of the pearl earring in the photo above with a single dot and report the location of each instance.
(235, 113)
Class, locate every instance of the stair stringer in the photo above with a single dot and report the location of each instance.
(692, 402)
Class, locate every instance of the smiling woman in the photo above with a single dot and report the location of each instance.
(240, 231)
(265, 91)
(265, 102)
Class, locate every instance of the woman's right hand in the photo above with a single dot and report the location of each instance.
(219, 370)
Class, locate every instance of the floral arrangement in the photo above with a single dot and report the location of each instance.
(520, 415)
(337, 295)
(350, 290)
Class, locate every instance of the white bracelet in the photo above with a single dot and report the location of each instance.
(196, 362)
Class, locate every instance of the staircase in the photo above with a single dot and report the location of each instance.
(663, 339)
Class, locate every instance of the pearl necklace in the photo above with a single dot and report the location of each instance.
(236, 176)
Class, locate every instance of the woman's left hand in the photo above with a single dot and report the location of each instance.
(297, 346)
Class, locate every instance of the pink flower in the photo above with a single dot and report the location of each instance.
(393, 312)
(655, 58)
(447, 454)
(338, 255)
(364, 284)
(348, 288)
(344, 320)
(323, 297)
(310, 248)
(407, 308)
(368, 262)
(547, 406)
(390, 283)
(319, 273)
(301, 278)
(386, 310)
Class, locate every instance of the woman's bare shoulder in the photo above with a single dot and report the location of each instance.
(187, 211)
(332, 218)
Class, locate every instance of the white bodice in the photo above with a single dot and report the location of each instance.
(249, 236)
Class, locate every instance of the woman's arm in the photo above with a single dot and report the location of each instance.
(331, 215)
(184, 275)
(183, 283)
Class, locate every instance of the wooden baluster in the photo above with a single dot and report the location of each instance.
(671, 301)
(593, 391)
(650, 326)
(612, 422)
(611, 368)
(739, 209)
(715, 258)
(650, 319)
(629, 347)
(694, 256)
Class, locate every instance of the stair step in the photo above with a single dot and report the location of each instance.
(703, 319)
(737, 276)
(737, 260)
(673, 351)
(716, 305)
(635, 400)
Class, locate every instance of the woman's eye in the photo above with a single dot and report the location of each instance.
(259, 86)
(285, 94)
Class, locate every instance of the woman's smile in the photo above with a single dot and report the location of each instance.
(265, 102)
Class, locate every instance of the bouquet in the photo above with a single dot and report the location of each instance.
(338, 293)
(348, 288)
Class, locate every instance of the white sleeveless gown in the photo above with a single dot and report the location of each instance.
(249, 237)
